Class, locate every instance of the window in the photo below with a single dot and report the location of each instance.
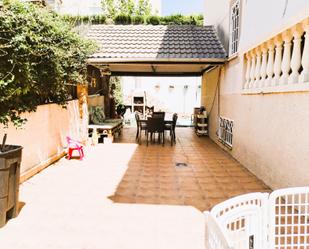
(226, 131)
(234, 27)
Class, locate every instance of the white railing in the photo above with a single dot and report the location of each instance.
(279, 220)
(289, 218)
(215, 236)
(243, 220)
(281, 63)
(225, 132)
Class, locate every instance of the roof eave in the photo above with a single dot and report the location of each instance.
(155, 60)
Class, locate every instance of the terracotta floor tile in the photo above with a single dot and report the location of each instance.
(225, 180)
(233, 193)
(122, 199)
(147, 200)
(169, 185)
(212, 174)
(171, 201)
(206, 179)
(254, 185)
(211, 202)
(192, 194)
(169, 193)
(215, 193)
(209, 186)
(149, 185)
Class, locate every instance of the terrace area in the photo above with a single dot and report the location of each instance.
(125, 195)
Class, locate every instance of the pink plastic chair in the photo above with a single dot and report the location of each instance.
(74, 145)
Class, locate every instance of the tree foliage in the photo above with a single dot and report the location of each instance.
(113, 8)
(143, 8)
(176, 19)
(118, 90)
(39, 54)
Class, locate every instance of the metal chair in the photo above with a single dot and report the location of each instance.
(171, 128)
(158, 115)
(140, 126)
(155, 125)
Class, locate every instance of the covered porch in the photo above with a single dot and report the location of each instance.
(125, 195)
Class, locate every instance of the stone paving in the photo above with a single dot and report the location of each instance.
(110, 199)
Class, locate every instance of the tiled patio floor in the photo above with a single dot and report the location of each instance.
(211, 175)
(102, 201)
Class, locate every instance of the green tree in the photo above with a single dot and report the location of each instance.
(143, 8)
(118, 90)
(131, 7)
(39, 55)
(111, 8)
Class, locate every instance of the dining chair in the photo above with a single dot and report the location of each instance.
(155, 125)
(140, 126)
(171, 128)
(175, 117)
(158, 115)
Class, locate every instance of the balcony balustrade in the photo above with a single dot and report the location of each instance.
(280, 64)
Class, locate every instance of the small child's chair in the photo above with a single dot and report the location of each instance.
(74, 145)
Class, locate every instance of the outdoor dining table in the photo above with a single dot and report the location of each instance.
(167, 121)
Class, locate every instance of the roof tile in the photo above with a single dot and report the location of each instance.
(148, 41)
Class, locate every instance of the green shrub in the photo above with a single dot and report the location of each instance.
(176, 19)
(123, 19)
(39, 55)
(98, 19)
(154, 20)
(138, 20)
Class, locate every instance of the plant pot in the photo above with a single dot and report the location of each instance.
(10, 159)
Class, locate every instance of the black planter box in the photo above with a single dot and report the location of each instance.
(10, 159)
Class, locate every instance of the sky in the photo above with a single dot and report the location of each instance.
(185, 7)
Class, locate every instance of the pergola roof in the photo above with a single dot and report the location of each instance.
(152, 46)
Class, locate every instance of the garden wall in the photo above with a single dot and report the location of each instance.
(44, 135)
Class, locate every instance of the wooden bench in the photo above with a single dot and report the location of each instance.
(107, 130)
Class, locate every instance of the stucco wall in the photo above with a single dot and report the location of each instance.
(270, 130)
(44, 135)
(178, 99)
(260, 20)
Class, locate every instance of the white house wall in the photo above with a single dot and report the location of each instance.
(179, 99)
(270, 130)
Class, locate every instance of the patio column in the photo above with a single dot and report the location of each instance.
(304, 77)
(105, 83)
(264, 65)
(252, 71)
(286, 61)
(270, 63)
(297, 33)
(82, 94)
(278, 60)
(248, 68)
(257, 73)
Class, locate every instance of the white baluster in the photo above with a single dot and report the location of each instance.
(252, 71)
(304, 77)
(263, 66)
(278, 61)
(257, 72)
(270, 62)
(286, 60)
(297, 32)
(248, 68)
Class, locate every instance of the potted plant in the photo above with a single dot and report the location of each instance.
(40, 55)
